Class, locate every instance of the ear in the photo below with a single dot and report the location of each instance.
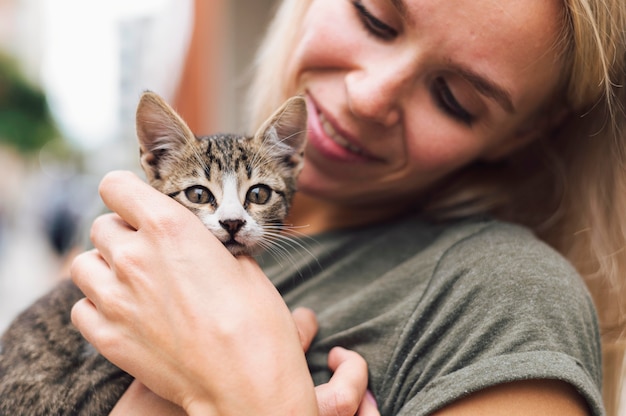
(160, 130)
(285, 132)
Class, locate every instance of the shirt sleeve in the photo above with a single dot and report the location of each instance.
(500, 307)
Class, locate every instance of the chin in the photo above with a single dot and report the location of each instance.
(336, 192)
(238, 249)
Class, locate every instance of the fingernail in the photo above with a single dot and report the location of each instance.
(370, 398)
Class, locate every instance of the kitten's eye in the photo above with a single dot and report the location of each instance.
(199, 195)
(445, 99)
(372, 24)
(259, 194)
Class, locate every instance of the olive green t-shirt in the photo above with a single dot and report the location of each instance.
(441, 311)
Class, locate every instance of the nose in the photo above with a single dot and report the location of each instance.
(232, 226)
(376, 91)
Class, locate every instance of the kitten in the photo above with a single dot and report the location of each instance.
(241, 188)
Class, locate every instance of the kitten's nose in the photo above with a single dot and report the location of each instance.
(232, 226)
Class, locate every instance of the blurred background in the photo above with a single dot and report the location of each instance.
(71, 73)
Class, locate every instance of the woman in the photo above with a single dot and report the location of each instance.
(424, 117)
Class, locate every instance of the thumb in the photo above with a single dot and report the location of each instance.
(346, 393)
(306, 322)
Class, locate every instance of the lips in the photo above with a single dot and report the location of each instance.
(330, 141)
(338, 138)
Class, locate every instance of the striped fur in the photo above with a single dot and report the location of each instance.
(228, 166)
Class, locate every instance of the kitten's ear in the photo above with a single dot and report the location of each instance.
(160, 130)
(285, 132)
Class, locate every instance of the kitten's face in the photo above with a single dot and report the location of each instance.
(240, 187)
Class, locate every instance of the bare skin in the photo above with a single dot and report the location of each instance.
(531, 397)
(345, 395)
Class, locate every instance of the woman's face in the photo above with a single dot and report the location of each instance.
(403, 92)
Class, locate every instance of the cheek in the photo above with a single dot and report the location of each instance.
(439, 150)
(441, 157)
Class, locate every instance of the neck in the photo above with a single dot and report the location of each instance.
(320, 215)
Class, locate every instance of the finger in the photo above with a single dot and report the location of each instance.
(343, 394)
(368, 405)
(86, 269)
(130, 197)
(306, 322)
(103, 334)
(85, 317)
(109, 231)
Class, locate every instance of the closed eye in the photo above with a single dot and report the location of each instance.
(372, 24)
(446, 101)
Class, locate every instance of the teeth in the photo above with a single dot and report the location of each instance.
(337, 138)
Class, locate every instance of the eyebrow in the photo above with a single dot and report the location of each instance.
(402, 10)
(486, 87)
(483, 84)
(400, 6)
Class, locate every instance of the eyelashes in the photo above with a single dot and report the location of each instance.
(372, 24)
(447, 102)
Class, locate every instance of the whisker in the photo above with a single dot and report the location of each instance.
(277, 252)
(290, 245)
(293, 231)
(290, 230)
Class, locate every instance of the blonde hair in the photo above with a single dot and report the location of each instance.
(592, 231)
(569, 185)
(268, 89)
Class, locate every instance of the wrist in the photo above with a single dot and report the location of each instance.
(299, 403)
(283, 393)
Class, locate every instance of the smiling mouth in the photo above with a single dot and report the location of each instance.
(338, 138)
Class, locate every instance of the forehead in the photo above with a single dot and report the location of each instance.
(508, 20)
(513, 41)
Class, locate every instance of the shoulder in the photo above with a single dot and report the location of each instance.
(493, 259)
(503, 276)
(504, 307)
(508, 262)
(496, 241)
(443, 310)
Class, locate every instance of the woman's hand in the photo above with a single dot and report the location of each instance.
(344, 395)
(167, 303)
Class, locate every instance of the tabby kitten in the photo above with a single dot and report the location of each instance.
(241, 189)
